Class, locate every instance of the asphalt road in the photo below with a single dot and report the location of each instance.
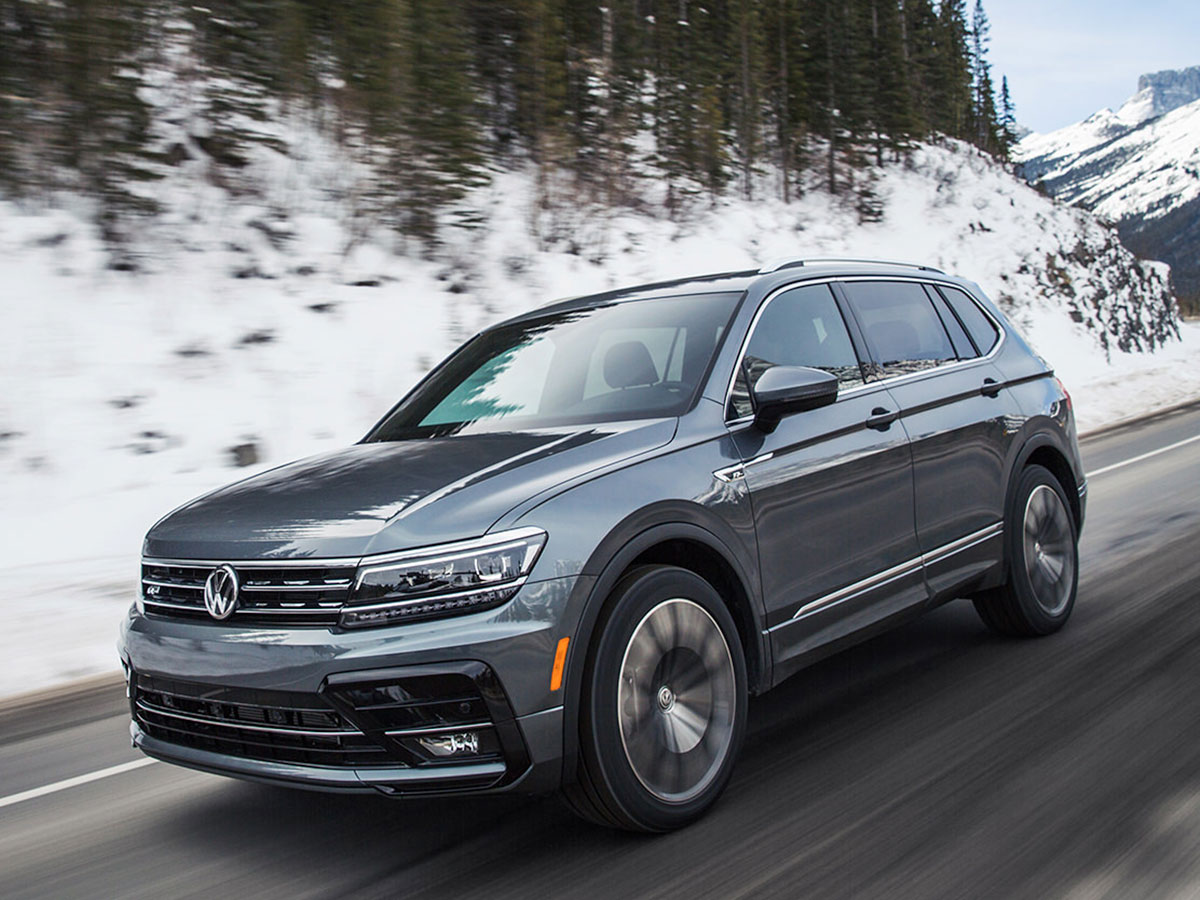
(935, 761)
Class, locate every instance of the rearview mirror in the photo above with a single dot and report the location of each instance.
(783, 390)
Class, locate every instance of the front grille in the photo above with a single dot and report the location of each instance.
(267, 725)
(269, 593)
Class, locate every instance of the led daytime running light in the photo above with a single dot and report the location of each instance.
(446, 580)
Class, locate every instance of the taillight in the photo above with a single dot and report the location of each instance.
(1062, 387)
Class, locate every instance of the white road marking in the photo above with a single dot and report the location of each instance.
(74, 782)
(1129, 462)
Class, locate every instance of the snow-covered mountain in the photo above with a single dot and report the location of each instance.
(1138, 167)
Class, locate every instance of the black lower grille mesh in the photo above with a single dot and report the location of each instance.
(399, 717)
(263, 725)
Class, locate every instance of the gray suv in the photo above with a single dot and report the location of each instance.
(568, 557)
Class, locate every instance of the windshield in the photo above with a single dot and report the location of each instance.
(631, 360)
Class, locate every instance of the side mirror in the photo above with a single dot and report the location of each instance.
(783, 390)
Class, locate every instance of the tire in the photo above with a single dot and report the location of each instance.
(663, 706)
(1042, 549)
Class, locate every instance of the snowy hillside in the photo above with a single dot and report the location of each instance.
(1138, 167)
(258, 329)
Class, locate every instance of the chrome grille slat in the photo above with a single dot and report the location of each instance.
(312, 588)
(278, 592)
(251, 723)
(246, 726)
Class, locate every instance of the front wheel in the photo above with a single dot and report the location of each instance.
(1042, 547)
(664, 705)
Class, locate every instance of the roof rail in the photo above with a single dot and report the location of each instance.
(791, 262)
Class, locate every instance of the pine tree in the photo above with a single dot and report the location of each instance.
(951, 84)
(786, 86)
(984, 117)
(1008, 119)
(747, 117)
(894, 120)
(919, 23)
(445, 154)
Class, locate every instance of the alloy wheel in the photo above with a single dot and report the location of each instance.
(676, 700)
(1049, 549)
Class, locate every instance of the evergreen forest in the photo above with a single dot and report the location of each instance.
(702, 96)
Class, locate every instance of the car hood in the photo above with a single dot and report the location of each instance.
(379, 497)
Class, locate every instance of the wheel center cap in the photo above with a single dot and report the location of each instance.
(666, 698)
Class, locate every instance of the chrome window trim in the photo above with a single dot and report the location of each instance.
(879, 579)
(883, 382)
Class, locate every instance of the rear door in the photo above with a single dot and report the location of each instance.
(831, 488)
(959, 421)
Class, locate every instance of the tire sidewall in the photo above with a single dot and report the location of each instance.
(1039, 619)
(634, 597)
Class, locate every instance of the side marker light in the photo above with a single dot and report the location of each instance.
(560, 661)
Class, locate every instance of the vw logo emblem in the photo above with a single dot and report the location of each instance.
(221, 592)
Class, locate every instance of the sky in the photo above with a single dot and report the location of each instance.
(1066, 59)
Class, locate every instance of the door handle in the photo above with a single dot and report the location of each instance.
(991, 387)
(882, 419)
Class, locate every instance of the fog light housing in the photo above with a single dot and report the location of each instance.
(459, 743)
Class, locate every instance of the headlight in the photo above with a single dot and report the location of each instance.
(444, 580)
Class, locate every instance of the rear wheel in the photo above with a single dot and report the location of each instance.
(1043, 561)
(663, 709)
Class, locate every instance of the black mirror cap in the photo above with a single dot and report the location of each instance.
(783, 390)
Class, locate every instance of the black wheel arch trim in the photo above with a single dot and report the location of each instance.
(633, 536)
(1047, 440)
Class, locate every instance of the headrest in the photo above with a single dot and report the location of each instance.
(898, 336)
(628, 364)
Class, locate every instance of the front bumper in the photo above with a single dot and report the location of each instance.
(540, 730)
(241, 701)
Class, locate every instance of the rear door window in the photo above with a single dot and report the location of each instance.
(902, 329)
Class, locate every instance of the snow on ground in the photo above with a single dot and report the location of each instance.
(123, 394)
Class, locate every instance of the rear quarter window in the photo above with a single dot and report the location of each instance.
(983, 332)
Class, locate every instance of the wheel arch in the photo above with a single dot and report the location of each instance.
(1042, 450)
(695, 545)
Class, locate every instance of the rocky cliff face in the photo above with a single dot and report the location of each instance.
(1169, 90)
